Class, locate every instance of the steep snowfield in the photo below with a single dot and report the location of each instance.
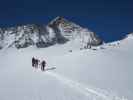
(102, 74)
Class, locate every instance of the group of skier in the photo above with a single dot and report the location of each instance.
(37, 62)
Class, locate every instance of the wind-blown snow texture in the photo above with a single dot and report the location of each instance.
(101, 73)
(58, 31)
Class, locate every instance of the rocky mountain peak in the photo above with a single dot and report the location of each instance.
(58, 20)
(59, 30)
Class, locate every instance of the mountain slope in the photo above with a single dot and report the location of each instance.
(58, 31)
(102, 74)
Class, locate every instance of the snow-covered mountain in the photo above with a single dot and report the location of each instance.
(58, 31)
(71, 31)
(101, 73)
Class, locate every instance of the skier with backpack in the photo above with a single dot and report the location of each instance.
(43, 65)
(36, 63)
(33, 62)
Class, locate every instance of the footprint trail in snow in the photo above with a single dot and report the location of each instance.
(85, 90)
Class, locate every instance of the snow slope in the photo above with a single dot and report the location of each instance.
(102, 73)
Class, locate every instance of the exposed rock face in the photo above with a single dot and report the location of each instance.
(70, 31)
(59, 31)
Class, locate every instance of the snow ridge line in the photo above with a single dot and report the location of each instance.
(82, 88)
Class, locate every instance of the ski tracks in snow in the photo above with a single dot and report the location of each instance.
(91, 93)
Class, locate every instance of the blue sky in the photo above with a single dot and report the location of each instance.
(111, 19)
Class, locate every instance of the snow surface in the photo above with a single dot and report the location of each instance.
(102, 73)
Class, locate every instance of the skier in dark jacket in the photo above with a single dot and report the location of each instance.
(36, 63)
(43, 65)
(33, 62)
